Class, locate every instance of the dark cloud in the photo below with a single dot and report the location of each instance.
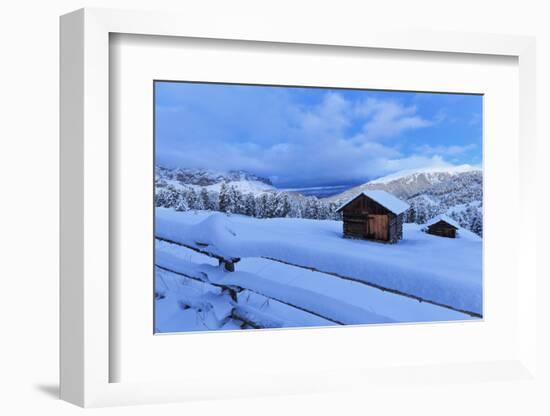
(297, 137)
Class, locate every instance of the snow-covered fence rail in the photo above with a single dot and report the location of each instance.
(229, 263)
(234, 289)
(377, 286)
(248, 320)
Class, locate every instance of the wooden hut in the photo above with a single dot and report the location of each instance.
(442, 226)
(374, 215)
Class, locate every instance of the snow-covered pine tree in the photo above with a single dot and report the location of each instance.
(311, 209)
(204, 199)
(323, 212)
(199, 203)
(476, 224)
(296, 208)
(271, 205)
(214, 198)
(410, 214)
(231, 200)
(181, 204)
(286, 205)
(167, 197)
(281, 205)
(262, 206)
(161, 197)
(238, 200)
(457, 217)
(192, 199)
(249, 205)
(224, 198)
(333, 214)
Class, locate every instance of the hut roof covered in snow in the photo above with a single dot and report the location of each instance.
(443, 218)
(383, 198)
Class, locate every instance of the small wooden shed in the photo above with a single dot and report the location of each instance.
(442, 226)
(374, 215)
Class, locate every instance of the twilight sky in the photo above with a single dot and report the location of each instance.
(313, 136)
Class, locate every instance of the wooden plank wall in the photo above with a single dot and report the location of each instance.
(386, 225)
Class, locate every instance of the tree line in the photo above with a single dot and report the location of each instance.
(470, 217)
(461, 198)
(275, 204)
(231, 200)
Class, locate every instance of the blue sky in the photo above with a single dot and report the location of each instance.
(313, 136)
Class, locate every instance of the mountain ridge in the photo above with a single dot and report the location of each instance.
(205, 177)
(408, 183)
(452, 170)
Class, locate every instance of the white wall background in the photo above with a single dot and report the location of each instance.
(29, 204)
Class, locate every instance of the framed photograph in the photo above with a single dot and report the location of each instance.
(242, 214)
(284, 206)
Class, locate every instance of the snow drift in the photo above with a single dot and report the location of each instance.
(446, 271)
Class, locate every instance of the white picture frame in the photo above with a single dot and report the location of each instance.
(86, 263)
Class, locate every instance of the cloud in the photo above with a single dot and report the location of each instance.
(453, 150)
(329, 117)
(388, 119)
(412, 162)
(294, 136)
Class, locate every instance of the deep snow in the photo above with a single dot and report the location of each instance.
(447, 271)
(267, 284)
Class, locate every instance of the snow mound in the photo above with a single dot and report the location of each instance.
(213, 230)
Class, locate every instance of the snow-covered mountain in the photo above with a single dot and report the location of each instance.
(456, 191)
(211, 180)
(408, 183)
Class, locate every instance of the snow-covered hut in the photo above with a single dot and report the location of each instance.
(374, 215)
(442, 226)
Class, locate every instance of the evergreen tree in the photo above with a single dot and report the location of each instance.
(160, 198)
(281, 205)
(224, 198)
(192, 199)
(311, 209)
(476, 224)
(238, 201)
(297, 208)
(410, 214)
(270, 210)
(181, 204)
(286, 206)
(333, 214)
(214, 198)
(204, 199)
(262, 206)
(249, 205)
(323, 212)
(167, 197)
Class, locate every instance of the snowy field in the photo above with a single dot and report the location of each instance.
(194, 293)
